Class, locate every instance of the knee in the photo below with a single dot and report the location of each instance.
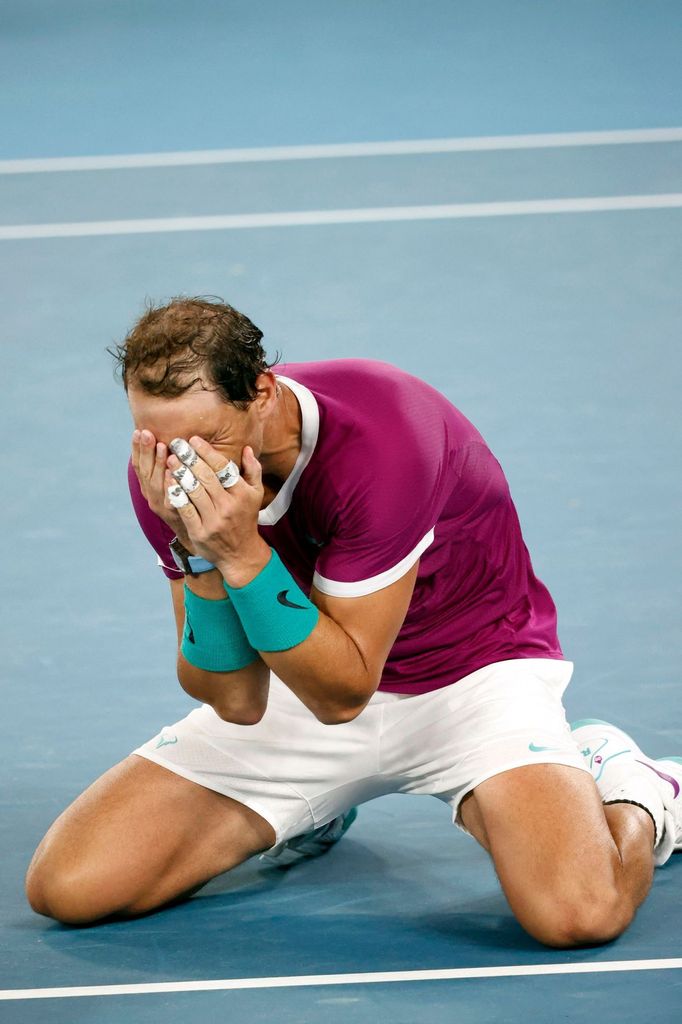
(83, 894)
(71, 896)
(58, 896)
(566, 923)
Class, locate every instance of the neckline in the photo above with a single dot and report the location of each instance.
(310, 428)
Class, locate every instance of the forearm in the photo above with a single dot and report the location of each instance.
(239, 696)
(327, 673)
(326, 670)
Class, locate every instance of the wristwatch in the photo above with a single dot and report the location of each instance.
(191, 565)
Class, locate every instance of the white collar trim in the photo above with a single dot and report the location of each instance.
(310, 428)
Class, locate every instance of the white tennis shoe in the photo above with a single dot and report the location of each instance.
(313, 843)
(623, 773)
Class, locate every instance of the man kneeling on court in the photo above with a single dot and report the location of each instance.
(358, 614)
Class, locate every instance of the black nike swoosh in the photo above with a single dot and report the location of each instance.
(282, 598)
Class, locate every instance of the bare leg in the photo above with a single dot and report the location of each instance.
(136, 839)
(573, 871)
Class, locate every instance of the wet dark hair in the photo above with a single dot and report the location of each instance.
(193, 340)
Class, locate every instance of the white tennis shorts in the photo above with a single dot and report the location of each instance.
(298, 773)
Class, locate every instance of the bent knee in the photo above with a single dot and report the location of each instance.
(85, 894)
(66, 898)
(76, 895)
(568, 923)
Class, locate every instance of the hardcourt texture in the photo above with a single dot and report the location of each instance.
(557, 335)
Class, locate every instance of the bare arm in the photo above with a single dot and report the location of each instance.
(337, 668)
(335, 671)
(241, 696)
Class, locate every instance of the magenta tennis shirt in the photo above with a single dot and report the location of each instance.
(390, 472)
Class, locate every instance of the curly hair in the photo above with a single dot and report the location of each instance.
(193, 340)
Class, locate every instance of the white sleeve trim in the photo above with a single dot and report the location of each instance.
(162, 565)
(384, 579)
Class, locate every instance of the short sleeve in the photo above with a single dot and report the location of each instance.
(386, 510)
(158, 533)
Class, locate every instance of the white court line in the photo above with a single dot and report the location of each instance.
(381, 977)
(407, 147)
(230, 222)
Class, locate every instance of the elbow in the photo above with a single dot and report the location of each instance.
(336, 716)
(240, 698)
(248, 717)
(341, 714)
(327, 717)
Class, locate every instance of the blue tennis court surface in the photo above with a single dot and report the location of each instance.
(557, 333)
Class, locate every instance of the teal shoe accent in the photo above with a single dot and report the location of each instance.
(353, 812)
(588, 721)
(325, 836)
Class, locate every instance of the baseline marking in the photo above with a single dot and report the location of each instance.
(231, 222)
(330, 151)
(382, 977)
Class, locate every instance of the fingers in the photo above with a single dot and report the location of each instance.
(147, 450)
(186, 479)
(203, 485)
(191, 464)
(251, 468)
(177, 498)
(229, 475)
(149, 461)
(213, 459)
(199, 481)
(183, 451)
(199, 457)
(191, 485)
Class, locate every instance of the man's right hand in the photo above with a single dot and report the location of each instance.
(149, 462)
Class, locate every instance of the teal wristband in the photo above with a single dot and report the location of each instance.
(214, 638)
(274, 611)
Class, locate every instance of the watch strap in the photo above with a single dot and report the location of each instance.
(191, 565)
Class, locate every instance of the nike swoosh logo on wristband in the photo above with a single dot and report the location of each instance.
(282, 598)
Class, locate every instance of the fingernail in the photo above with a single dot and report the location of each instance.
(186, 479)
(136, 436)
(146, 437)
(177, 497)
(160, 450)
(183, 450)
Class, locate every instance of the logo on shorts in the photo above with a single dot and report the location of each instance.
(165, 741)
(282, 598)
(536, 750)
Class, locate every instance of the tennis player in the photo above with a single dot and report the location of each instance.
(358, 615)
